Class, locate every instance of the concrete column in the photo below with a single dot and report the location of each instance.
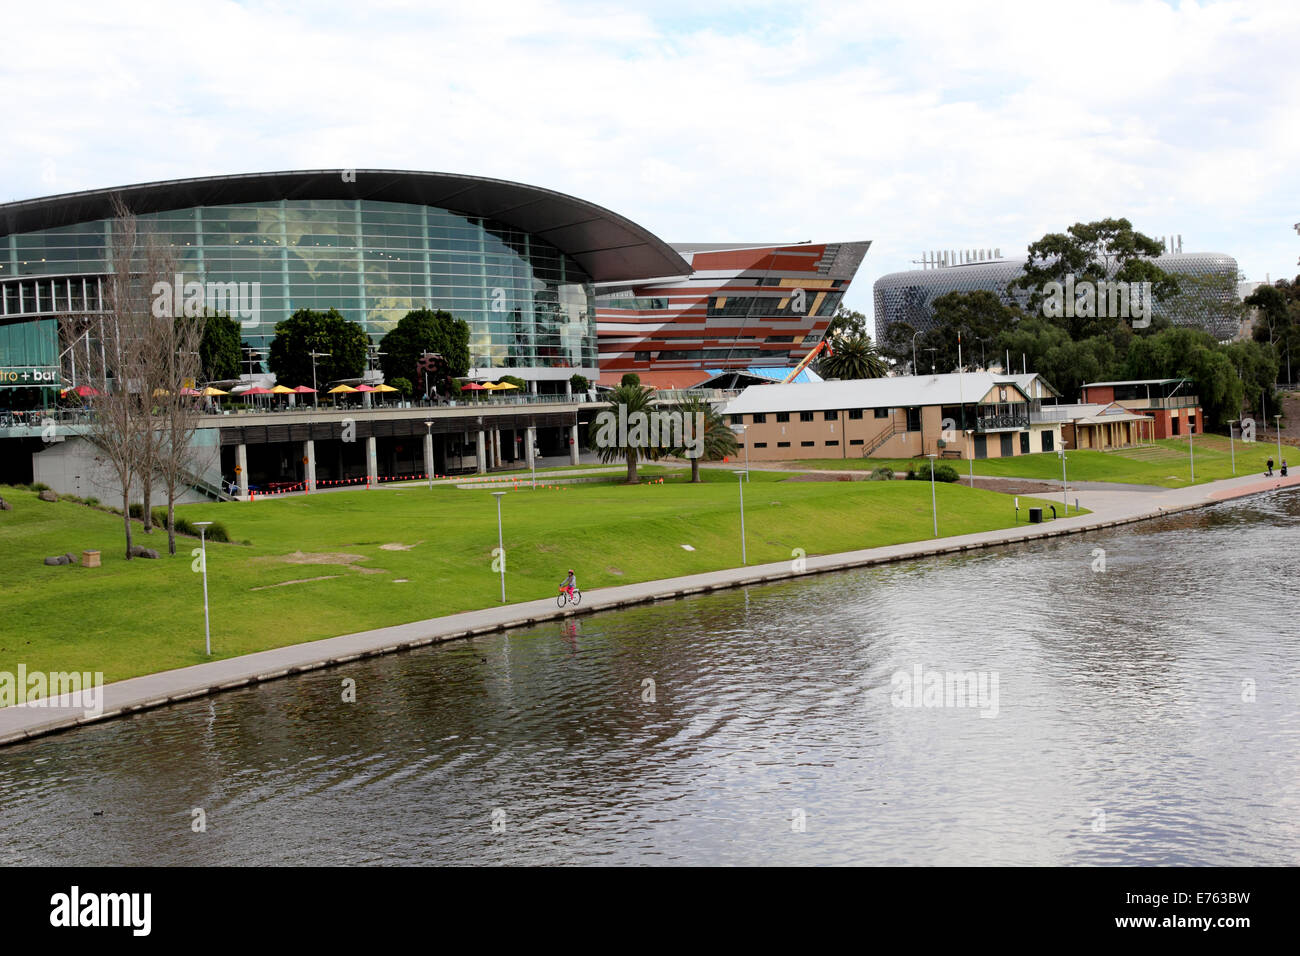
(372, 461)
(568, 389)
(532, 386)
(241, 468)
(480, 455)
(496, 442)
(573, 444)
(309, 470)
(428, 453)
(530, 441)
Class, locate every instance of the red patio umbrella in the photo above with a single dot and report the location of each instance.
(257, 390)
(81, 390)
(365, 388)
(304, 390)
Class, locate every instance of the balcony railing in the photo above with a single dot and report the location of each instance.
(988, 423)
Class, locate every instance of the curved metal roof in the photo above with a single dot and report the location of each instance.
(606, 245)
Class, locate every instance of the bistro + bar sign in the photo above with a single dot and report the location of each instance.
(18, 376)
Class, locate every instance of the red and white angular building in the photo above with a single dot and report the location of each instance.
(740, 306)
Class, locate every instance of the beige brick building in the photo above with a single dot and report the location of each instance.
(979, 414)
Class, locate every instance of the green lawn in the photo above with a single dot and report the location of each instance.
(129, 618)
(1166, 463)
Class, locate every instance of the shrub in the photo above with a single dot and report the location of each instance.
(93, 502)
(579, 383)
(39, 486)
(941, 473)
(882, 474)
(630, 378)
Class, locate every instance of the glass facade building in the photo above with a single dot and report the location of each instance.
(527, 303)
(518, 263)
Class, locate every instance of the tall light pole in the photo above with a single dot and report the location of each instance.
(740, 480)
(1065, 500)
(934, 504)
(744, 433)
(915, 370)
(428, 439)
(932, 351)
(970, 448)
(1232, 443)
(1278, 420)
(1191, 451)
(501, 546)
(203, 561)
(315, 396)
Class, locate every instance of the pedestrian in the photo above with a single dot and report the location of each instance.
(1269, 473)
(1283, 467)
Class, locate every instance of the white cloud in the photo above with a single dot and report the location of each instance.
(939, 125)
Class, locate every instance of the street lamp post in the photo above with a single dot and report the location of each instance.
(203, 561)
(1232, 443)
(1191, 451)
(315, 396)
(740, 481)
(971, 451)
(744, 434)
(934, 504)
(932, 366)
(1065, 501)
(915, 370)
(501, 546)
(428, 438)
(1278, 420)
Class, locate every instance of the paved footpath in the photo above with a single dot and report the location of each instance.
(1109, 508)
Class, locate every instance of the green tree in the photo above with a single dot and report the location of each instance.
(219, 349)
(579, 383)
(630, 378)
(980, 318)
(846, 323)
(423, 331)
(716, 442)
(1094, 251)
(403, 386)
(853, 357)
(1048, 349)
(630, 446)
(308, 331)
(1194, 355)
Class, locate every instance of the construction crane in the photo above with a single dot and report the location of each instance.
(824, 344)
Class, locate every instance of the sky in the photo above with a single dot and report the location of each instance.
(919, 126)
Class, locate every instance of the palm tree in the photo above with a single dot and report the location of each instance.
(719, 441)
(856, 356)
(609, 443)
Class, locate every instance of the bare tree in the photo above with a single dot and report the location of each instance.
(177, 408)
(131, 368)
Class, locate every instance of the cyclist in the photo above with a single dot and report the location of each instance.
(570, 583)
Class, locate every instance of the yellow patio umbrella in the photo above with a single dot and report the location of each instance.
(282, 390)
(502, 385)
(160, 391)
(341, 390)
(384, 388)
(209, 391)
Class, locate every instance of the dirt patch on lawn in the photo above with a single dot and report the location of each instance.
(398, 546)
(823, 476)
(327, 557)
(267, 587)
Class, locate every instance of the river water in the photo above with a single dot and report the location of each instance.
(1147, 713)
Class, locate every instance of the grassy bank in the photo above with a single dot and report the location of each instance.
(1166, 463)
(330, 564)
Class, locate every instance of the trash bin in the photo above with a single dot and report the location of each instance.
(1035, 515)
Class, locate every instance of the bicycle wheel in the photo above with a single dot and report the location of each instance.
(577, 597)
(559, 599)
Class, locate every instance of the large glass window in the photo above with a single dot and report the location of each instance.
(527, 304)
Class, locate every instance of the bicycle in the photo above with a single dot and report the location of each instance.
(568, 594)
